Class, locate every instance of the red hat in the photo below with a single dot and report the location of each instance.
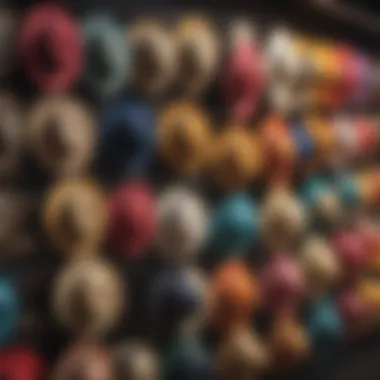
(243, 79)
(19, 363)
(132, 219)
(352, 249)
(51, 47)
(282, 282)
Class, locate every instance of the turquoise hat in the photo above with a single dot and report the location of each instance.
(347, 190)
(9, 309)
(325, 325)
(312, 190)
(234, 225)
(108, 57)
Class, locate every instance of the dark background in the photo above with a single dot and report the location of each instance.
(371, 5)
(356, 361)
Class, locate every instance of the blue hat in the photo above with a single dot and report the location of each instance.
(303, 142)
(127, 139)
(175, 297)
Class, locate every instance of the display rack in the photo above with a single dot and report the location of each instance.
(316, 17)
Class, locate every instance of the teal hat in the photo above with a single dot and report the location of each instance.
(108, 57)
(9, 309)
(325, 326)
(347, 190)
(313, 189)
(234, 225)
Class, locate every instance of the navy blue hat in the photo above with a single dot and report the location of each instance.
(177, 296)
(127, 139)
(304, 144)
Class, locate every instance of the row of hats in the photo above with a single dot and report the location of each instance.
(274, 152)
(58, 52)
(178, 222)
(76, 215)
(61, 132)
(132, 360)
(76, 218)
(332, 277)
(88, 297)
(317, 72)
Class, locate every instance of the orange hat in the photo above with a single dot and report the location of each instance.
(321, 132)
(368, 291)
(234, 295)
(278, 149)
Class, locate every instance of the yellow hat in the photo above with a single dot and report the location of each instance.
(184, 136)
(236, 158)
